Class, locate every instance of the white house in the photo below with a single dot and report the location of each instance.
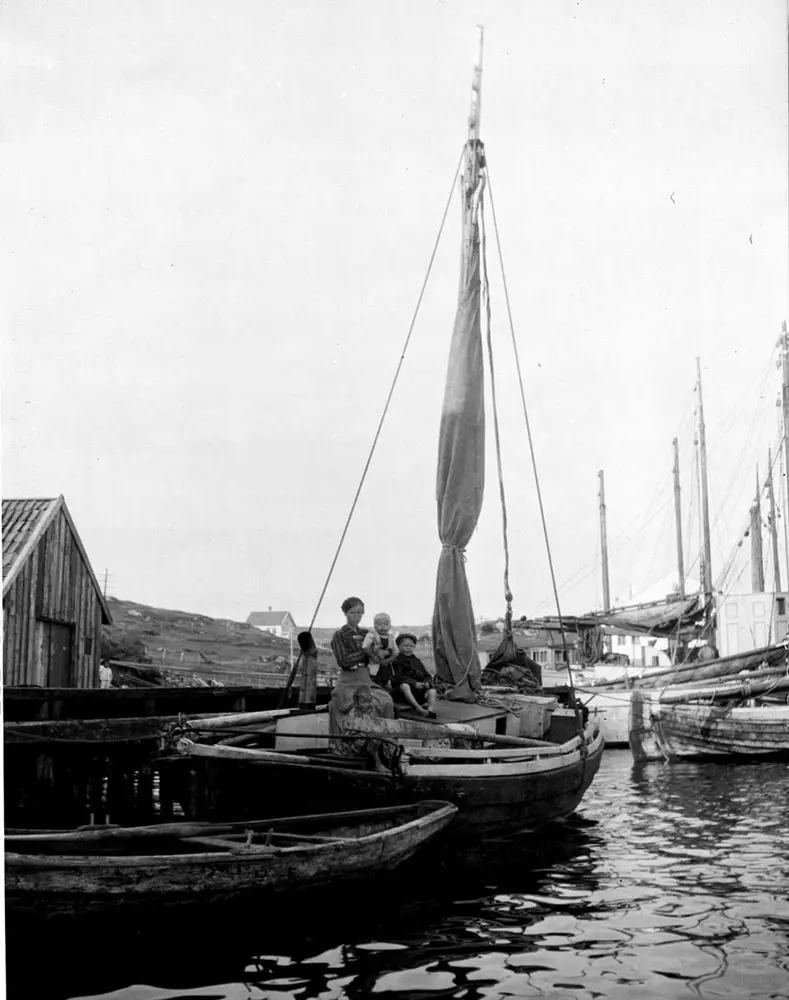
(642, 650)
(749, 621)
(276, 622)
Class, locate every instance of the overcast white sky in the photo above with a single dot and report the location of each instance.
(217, 218)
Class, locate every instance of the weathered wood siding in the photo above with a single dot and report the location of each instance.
(54, 585)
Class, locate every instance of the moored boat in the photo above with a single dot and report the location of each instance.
(51, 873)
(611, 703)
(500, 784)
(734, 718)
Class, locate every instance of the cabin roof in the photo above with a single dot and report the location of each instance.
(24, 522)
(267, 617)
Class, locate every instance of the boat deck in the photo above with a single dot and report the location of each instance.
(483, 716)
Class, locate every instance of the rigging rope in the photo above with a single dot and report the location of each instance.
(531, 449)
(486, 296)
(391, 392)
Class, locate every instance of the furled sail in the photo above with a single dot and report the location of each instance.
(461, 448)
(676, 617)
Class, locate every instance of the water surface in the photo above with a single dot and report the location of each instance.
(671, 881)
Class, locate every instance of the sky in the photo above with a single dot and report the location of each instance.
(217, 222)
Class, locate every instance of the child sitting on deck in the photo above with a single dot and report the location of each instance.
(411, 682)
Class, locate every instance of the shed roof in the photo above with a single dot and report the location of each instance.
(24, 522)
(267, 617)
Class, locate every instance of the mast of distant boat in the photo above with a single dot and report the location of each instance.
(604, 544)
(604, 556)
(773, 523)
(706, 551)
(757, 555)
(678, 519)
(784, 345)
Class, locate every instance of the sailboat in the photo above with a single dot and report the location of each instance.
(732, 705)
(472, 755)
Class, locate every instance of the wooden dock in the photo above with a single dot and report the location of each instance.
(74, 756)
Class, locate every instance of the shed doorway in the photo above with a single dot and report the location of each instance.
(56, 647)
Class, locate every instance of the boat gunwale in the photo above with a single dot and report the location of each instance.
(513, 769)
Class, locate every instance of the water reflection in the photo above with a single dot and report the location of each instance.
(673, 882)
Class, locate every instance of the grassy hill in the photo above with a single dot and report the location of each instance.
(201, 645)
(143, 634)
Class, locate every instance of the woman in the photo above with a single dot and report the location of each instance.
(352, 660)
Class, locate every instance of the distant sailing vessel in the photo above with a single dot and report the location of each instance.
(729, 705)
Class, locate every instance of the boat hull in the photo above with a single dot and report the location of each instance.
(669, 731)
(52, 884)
(512, 802)
(492, 798)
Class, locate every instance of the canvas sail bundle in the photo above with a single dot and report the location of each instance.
(460, 479)
(674, 617)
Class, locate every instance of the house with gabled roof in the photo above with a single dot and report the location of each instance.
(276, 622)
(53, 607)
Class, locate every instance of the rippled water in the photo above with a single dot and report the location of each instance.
(672, 881)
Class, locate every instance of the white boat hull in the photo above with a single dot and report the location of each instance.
(612, 713)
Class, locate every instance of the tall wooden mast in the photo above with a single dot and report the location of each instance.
(757, 555)
(784, 344)
(472, 191)
(678, 520)
(604, 545)
(705, 517)
(773, 523)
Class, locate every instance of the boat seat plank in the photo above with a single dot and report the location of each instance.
(229, 846)
(240, 840)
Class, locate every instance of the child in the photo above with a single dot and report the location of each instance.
(379, 753)
(380, 646)
(412, 683)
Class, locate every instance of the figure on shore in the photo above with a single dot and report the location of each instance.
(352, 659)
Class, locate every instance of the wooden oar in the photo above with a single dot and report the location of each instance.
(241, 719)
(409, 729)
(221, 751)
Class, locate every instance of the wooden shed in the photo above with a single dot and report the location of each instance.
(53, 608)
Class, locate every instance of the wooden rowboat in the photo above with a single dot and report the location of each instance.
(496, 790)
(52, 873)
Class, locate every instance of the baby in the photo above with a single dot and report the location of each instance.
(380, 642)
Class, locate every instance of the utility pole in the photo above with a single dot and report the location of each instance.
(106, 573)
(773, 523)
(604, 545)
(705, 517)
(757, 557)
(678, 519)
